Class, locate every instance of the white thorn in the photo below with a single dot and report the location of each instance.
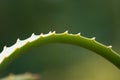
(50, 32)
(33, 34)
(93, 38)
(41, 34)
(66, 32)
(4, 47)
(18, 40)
(54, 32)
(109, 46)
(78, 34)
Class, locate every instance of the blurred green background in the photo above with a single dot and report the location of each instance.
(99, 18)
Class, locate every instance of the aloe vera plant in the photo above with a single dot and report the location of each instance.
(10, 53)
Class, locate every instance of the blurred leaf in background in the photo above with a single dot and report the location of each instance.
(100, 18)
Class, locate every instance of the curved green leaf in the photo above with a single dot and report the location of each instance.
(10, 53)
